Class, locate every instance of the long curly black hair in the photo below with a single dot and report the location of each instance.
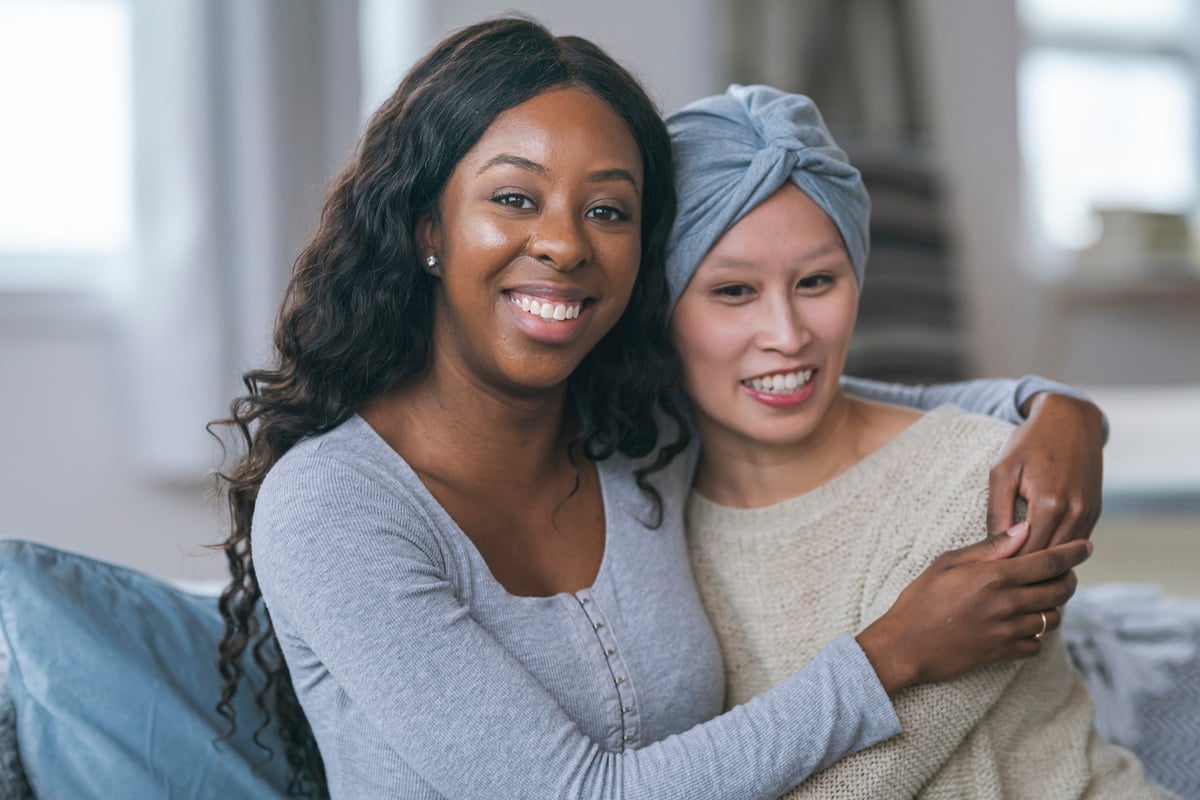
(356, 319)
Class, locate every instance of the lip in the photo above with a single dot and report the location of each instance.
(549, 331)
(782, 371)
(550, 291)
(782, 401)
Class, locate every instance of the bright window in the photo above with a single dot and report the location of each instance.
(66, 180)
(1108, 94)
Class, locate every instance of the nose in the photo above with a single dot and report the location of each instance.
(559, 241)
(781, 327)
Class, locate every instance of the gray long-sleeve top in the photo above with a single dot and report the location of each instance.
(423, 678)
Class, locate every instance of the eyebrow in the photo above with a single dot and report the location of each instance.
(516, 161)
(615, 174)
(821, 250)
(599, 176)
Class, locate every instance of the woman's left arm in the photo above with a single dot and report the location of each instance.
(1053, 461)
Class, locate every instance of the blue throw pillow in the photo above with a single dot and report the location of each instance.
(113, 676)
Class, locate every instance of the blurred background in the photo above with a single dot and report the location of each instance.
(1035, 169)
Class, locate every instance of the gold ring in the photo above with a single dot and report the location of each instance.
(1038, 636)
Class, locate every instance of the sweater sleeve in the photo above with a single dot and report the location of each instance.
(1000, 397)
(372, 601)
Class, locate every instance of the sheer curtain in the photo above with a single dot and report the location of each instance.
(243, 111)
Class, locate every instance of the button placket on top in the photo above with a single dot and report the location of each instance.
(619, 673)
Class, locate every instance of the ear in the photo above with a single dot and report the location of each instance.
(426, 238)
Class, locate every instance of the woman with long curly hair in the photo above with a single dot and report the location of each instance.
(459, 501)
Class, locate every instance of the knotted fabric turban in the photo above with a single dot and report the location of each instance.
(732, 151)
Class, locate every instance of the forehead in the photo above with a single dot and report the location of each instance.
(787, 222)
(561, 129)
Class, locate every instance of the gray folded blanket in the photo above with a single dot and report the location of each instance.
(1139, 653)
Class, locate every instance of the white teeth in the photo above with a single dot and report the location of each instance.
(782, 382)
(547, 310)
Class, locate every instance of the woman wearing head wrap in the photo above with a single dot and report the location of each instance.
(812, 510)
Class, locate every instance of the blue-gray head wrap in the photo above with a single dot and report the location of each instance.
(732, 151)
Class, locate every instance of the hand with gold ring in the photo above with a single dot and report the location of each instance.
(973, 606)
(1039, 623)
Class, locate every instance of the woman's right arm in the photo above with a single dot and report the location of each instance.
(374, 605)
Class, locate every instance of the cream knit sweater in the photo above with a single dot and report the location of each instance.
(781, 581)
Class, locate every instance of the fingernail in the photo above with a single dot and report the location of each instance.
(1089, 546)
(1019, 528)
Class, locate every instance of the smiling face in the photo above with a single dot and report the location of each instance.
(764, 326)
(538, 238)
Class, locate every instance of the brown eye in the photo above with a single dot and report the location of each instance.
(608, 214)
(815, 282)
(513, 199)
(733, 290)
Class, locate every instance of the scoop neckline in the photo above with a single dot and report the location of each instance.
(415, 486)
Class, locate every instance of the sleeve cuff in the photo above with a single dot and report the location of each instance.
(1030, 385)
(879, 718)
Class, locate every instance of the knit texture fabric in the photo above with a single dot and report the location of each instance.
(780, 581)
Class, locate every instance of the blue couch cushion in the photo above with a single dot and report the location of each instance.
(13, 785)
(113, 677)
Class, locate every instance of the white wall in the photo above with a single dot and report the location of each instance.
(68, 475)
(667, 44)
(106, 451)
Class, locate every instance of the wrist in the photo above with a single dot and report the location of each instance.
(1034, 403)
(888, 657)
(1052, 402)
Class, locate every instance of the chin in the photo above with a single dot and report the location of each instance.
(538, 381)
(776, 437)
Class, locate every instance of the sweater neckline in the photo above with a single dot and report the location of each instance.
(420, 492)
(706, 513)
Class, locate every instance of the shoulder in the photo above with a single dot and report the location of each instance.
(952, 455)
(962, 436)
(338, 469)
(310, 458)
(346, 486)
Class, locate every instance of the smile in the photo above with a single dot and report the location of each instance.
(546, 309)
(780, 382)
